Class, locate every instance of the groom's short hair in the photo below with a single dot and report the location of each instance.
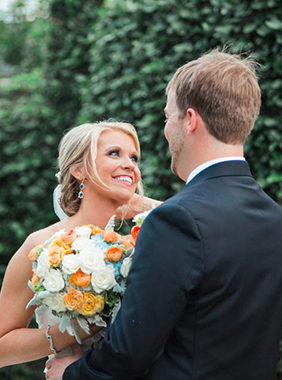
(223, 89)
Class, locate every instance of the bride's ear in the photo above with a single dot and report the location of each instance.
(78, 172)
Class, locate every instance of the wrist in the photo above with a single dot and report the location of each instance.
(149, 203)
(58, 339)
(50, 340)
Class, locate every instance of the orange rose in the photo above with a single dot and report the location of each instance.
(135, 231)
(73, 299)
(69, 237)
(110, 236)
(80, 279)
(59, 242)
(95, 230)
(91, 304)
(113, 254)
(33, 254)
(35, 278)
(128, 242)
(55, 255)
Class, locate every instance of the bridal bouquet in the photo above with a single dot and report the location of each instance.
(138, 219)
(81, 276)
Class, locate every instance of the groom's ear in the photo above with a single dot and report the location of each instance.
(78, 172)
(192, 121)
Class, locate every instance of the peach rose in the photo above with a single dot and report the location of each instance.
(55, 255)
(128, 242)
(110, 236)
(59, 242)
(69, 237)
(73, 299)
(113, 254)
(33, 254)
(135, 231)
(91, 304)
(35, 278)
(80, 279)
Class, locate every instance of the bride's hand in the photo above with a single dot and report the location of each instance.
(136, 205)
(56, 366)
(62, 340)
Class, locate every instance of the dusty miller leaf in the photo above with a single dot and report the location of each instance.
(65, 323)
(45, 294)
(115, 310)
(111, 224)
(83, 324)
(75, 330)
(97, 320)
(33, 302)
(118, 289)
(30, 286)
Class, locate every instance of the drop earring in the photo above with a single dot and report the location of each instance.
(81, 187)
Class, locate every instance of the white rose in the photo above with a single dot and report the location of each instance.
(103, 279)
(82, 243)
(43, 264)
(139, 218)
(70, 263)
(56, 303)
(84, 232)
(125, 267)
(91, 259)
(53, 281)
(57, 234)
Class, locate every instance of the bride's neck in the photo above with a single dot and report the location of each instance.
(97, 213)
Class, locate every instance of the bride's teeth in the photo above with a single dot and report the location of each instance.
(125, 179)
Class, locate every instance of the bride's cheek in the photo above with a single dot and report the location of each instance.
(138, 175)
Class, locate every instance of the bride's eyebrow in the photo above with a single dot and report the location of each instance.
(119, 148)
(113, 147)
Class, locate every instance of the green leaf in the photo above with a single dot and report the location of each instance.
(274, 24)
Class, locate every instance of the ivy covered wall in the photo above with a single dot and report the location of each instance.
(91, 61)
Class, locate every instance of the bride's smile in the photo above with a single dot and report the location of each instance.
(125, 179)
(117, 166)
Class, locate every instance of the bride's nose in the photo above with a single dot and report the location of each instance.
(127, 163)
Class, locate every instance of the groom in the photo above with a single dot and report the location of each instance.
(204, 296)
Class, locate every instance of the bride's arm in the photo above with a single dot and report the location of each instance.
(18, 343)
(137, 205)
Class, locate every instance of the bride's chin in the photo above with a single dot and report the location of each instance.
(123, 197)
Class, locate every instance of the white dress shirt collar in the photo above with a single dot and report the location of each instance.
(207, 164)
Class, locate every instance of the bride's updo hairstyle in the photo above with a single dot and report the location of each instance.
(79, 146)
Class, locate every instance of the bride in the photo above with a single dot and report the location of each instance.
(98, 173)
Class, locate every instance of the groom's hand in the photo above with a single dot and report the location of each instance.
(56, 367)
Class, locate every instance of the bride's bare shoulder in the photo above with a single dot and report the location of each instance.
(20, 263)
(40, 236)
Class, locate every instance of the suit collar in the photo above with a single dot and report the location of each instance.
(228, 168)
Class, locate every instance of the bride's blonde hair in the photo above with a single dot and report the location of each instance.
(79, 146)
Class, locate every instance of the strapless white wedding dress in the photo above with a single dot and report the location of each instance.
(45, 317)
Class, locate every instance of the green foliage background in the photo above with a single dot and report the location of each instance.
(92, 60)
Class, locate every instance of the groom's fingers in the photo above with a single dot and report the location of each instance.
(48, 363)
(56, 366)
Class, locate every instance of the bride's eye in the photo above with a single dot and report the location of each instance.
(135, 158)
(114, 152)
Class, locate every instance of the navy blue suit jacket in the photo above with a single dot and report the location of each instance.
(204, 296)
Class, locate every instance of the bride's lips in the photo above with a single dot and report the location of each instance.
(126, 179)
